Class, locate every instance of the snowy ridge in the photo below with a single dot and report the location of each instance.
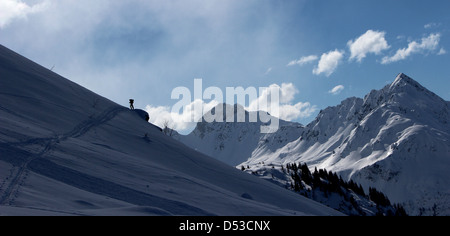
(64, 150)
(395, 139)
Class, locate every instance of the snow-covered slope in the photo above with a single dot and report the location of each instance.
(395, 139)
(66, 150)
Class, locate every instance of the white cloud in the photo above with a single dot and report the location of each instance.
(161, 114)
(442, 51)
(287, 92)
(427, 44)
(287, 110)
(159, 39)
(300, 110)
(369, 42)
(303, 60)
(329, 62)
(337, 90)
(14, 9)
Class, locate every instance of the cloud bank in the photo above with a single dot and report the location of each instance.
(161, 115)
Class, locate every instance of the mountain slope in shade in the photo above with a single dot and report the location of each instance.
(66, 151)
(395, 139)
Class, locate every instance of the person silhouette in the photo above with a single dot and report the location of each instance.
(132, 104)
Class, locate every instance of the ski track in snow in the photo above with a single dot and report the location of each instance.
(22, 159)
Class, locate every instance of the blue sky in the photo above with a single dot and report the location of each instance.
(323, 51)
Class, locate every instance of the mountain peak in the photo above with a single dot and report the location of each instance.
(407, 92)
(403, 76)
(403, 80)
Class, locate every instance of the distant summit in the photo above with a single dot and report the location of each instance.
(234, 142)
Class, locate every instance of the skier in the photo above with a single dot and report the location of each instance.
(131, 104)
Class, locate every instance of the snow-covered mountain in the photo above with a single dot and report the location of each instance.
(396, 139)
(65, 150)
(234, 142)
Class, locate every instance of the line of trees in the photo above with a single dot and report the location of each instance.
(329, 182)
